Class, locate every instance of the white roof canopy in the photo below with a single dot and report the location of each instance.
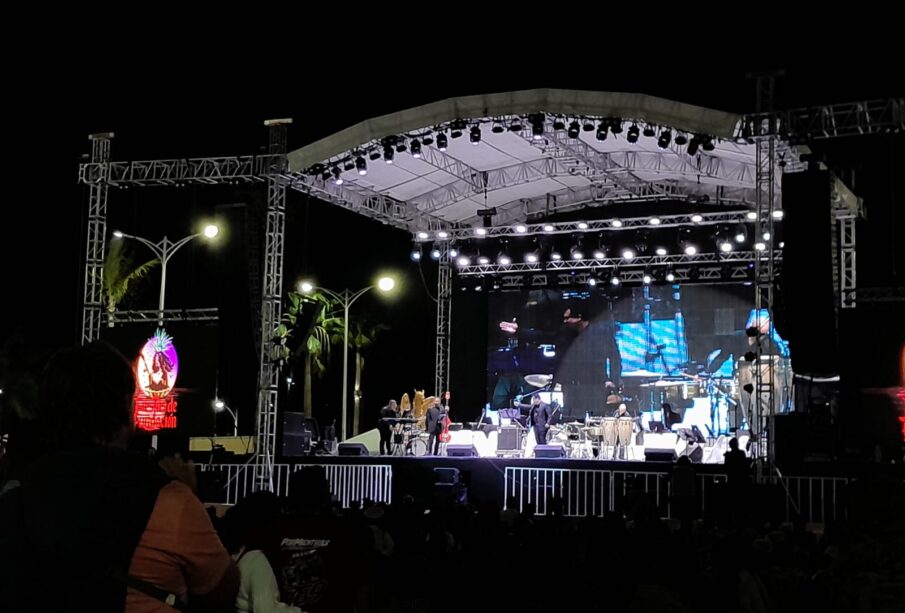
(523, 174)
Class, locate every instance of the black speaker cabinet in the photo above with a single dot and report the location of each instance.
(353, 449)
(549, 451)
(461, 451)
(660, 455)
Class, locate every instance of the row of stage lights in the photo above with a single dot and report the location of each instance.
(726, 242)
(612, 278)
(391, 145)
(549, 228)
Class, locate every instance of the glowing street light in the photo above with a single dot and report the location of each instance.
(220, 406)
(347, 298)
(164, 250)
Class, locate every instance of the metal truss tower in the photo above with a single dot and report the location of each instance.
(271, 305)
(92, 304)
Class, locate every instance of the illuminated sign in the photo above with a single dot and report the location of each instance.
(156, 370)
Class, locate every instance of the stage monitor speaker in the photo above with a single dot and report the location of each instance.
(461, 451)
(353, 449)
(296, 435)
(805, 313)
(549, 451)
(660, 455)
(509, 439)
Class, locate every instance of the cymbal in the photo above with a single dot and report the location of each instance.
(538, 380)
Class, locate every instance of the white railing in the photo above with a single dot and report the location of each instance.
(347, 482)
(596, 492)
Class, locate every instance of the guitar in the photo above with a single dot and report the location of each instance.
(444, 435)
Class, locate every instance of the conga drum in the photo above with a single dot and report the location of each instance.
(609, 431)
(624, 430)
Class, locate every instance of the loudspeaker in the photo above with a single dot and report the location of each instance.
(660, 455)
(461, 451)
(549, 451)
(805, 303)
(296, 444)
(354, 449)
(509, 439)
(296, 435)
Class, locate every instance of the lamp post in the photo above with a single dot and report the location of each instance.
(164, 250)
(347, 298)
(219, 405)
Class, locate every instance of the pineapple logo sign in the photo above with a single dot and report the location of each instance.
(156, 370)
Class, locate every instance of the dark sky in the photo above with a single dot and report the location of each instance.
(164, 99)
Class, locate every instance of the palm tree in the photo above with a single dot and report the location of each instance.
(361, 336)
(314, 345)
(120, 278)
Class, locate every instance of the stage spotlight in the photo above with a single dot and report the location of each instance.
(760, 247)
(503, 259)
(661, 251)
(616, 125)
(588, 125)
(725, 246)
(464, 261)
(582, 225)
(454, 133)
(782, 244)
(337, 176)
(361, 165)
(400, 148)
(521, 228)
(388, 155)
(537, 126)
(416, 255)
(670, 276)
(708, 144)
(632, 136)
(766, 236)
(697, 218)
(599, 254)
(647, 278)
(422, 235)
(693, 145)
(497, 128)
(555, 256)
(741, 233)
(474, 135)
(531, 257)
(481, 231)
(576, 253)
(649, 131)
(442, 142)
(616, 223)
(681, 139)
(665, 138)
(592, 281)
(778, 214)
(628, 255)
(416, 148)
(435, 253)
(349, 165)
(427, 140)
(548, 227)
(601, 131)
(691, 250)
(574, 127)
(516, 125)
(483, 260)
(374, 155)
(559, 124)
(442, 234)
(453, 252)
(654, 221)
(615, 280)
(752, 215)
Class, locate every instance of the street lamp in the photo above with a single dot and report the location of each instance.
(347, 298)
(164, 250)
(219, 406)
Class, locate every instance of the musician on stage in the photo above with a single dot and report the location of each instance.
(539, 416)
(384, 427)
(622, 411)
(434, 426)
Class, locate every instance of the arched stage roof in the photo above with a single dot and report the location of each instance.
(526, 164)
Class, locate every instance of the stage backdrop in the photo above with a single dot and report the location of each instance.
(630, 336)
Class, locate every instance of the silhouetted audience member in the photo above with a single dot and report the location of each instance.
(99, 528)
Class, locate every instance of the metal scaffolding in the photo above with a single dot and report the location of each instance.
(444, 317)
(92, 304)
(271, 306)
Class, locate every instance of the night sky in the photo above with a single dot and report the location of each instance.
(162, 104)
